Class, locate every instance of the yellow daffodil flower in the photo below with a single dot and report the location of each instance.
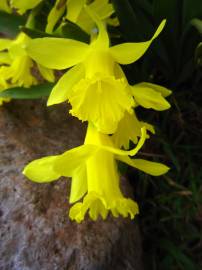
(77, 14)
(94, 173)
(94, 86)
(23, 5)
(17, 65)
(5, 6)
(129, 129)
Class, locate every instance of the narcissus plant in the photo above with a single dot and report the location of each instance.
(94, 83)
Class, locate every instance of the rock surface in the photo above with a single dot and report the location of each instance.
(35, 232)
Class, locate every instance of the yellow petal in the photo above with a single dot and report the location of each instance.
(128, 53)
(78, 184)
(60, 92)
(57, 53)
(24, 5)
(42, 170)
(5, 43)
(74, 8)
(19, 72)
(102, 40)
(102, 8)
(50, 168)
(165, 92)
(149, 167)
(149, 98)
(5, 58)
(46, 73)
(68, 162)
(129, 152)
(55, 14)
(4, 6)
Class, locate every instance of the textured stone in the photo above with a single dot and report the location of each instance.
(35, 232)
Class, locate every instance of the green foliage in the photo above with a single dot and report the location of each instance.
(10, 23)
(34, 33)
(34, 92)
(66, 30)
(72, 31)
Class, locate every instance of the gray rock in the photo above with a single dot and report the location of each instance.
(35, 231)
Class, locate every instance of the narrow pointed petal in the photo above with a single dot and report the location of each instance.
(149, 98)
(5, 43)
(46, 73)
(50, 168)
(60, 92)
(55, 14)
(102, 40)
(74, 8)
(128, 53)
(165, 92)
(129, 152)
(79, 184)
(68, 162)
(57, 53)
(42, 170)
(149, 167)
(103, 8)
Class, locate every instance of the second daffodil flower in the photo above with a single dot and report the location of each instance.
(94, 86)
(95, 177)
(17, 66)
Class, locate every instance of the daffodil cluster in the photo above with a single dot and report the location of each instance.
(17, 69)
(98, 91)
